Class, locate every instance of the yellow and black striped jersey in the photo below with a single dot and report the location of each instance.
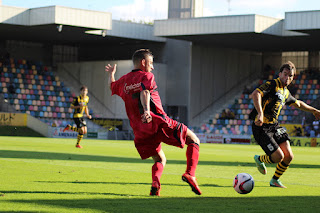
(78, 113)
(274, 96)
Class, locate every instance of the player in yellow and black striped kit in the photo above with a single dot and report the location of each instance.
(268, 101)
(80, 105)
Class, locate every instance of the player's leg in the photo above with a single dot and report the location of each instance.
(69, 127)
(264, 138)
(75, 129)
(80, 136)
(82, 126)
(192, 154)
(84, 130)
(283, 161)
(157, 169)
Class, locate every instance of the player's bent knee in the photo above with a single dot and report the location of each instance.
(84, 130)
(194, 140)
(164, 161)
(277, 156)
(289, 157)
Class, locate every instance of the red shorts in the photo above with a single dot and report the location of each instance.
(168, 131)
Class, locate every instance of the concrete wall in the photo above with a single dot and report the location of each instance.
(177, 57)
(218, 74)
(37, 125)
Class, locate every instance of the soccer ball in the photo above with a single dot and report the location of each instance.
(243, 183)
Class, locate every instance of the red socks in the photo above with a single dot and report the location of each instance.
(157, 170)
(192, 158)
(192, 162)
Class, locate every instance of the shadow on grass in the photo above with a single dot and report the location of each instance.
(244, 203)
(114, 159)
(126, 183)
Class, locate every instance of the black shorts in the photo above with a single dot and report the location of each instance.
(269, 136)
(80, 122)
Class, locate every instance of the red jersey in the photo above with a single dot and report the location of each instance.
(128, 87)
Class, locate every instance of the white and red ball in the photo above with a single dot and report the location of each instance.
(243, 183)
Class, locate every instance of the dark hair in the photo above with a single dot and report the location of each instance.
(83, 87)
(140, 54)
(288, 65)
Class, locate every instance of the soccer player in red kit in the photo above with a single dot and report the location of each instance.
(150, 123)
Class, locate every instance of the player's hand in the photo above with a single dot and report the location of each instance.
(259, 120)
(146, 117)
(89, 116)
(111, 69)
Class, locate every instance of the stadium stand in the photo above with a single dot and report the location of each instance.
(34, 89)
(235, 119)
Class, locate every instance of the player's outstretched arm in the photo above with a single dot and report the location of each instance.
(87, 112)
(111, 70)
(256, 97)
(305, 107)
(145, 102)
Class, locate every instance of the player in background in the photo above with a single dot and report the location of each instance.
(268, 101)
(150, 123)
(80, 105)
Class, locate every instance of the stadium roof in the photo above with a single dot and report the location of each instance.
(57, 24)
(298, 31)
(69, 25)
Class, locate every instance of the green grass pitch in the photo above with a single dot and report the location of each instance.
(51, 175)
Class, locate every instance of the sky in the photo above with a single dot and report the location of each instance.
(149, 10)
